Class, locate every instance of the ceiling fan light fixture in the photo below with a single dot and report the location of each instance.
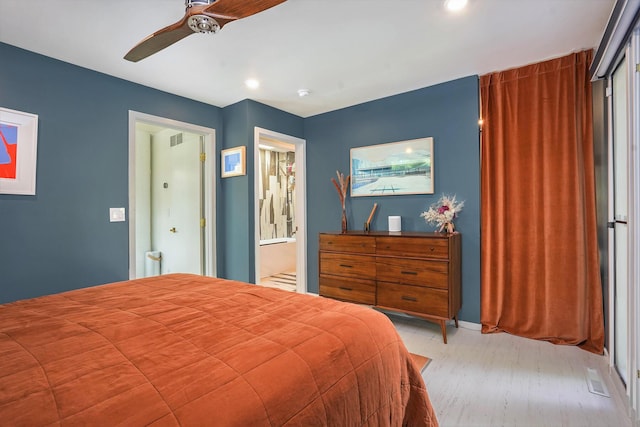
(203, 24)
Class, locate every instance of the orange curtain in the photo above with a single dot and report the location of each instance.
(540, 270)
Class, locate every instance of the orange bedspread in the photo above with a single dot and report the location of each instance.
(190, 350)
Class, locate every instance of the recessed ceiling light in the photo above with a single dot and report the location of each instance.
(455, 5)
(303, 92)
(252, 83)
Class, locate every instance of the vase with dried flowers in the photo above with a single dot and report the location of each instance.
(342, 185)
(443, 212)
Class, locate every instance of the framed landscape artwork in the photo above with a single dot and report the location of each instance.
(18, 152)
(392, 169)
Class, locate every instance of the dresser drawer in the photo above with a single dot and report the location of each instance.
(434, 302)
(348, 289)
(346, 243)
(433, 274)
(338, 264)
(413, 247)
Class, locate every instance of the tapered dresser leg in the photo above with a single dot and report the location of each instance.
(443, 328)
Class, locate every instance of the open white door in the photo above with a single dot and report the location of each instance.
(176, 201)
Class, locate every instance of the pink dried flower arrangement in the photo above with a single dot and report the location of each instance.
(443, 212)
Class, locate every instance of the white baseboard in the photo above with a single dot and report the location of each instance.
(620, 389)
(470, 325)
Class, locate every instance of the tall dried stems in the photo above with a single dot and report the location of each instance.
(342, 192)
(342, 187)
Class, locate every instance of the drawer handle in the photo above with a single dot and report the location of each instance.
(346, 265)
(412, 299)
(412, 273)
(432, 249)
(344, 288)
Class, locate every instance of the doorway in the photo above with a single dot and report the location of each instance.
(171, 194)
(280, 211)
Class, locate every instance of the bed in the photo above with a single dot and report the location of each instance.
(187, 350)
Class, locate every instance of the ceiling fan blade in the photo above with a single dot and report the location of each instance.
(199, 17)
(238, 9)
(159, 40)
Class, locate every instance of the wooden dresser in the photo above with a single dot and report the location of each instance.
(409, 272)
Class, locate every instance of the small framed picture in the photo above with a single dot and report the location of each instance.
(233, 161)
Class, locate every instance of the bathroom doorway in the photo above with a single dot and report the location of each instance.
(280, 216)
(171, 223)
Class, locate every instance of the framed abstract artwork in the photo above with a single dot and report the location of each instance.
(392, 169)
(233, 161)
(18, 152)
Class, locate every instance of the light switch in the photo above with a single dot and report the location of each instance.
(116, 214)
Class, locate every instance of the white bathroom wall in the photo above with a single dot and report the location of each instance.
(277, 258)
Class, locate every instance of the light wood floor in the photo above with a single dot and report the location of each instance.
(504, 380)
(285, 281)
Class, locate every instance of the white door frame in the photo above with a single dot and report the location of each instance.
(634, 228)
(632, 389)
(301, 203)
(616, 42)
(209, 191)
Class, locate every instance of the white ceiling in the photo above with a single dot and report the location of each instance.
(344, 51)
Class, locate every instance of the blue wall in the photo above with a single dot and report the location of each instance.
(61, 238)
(447, 112)
(237, 196)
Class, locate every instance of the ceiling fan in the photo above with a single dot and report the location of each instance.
(203, 16)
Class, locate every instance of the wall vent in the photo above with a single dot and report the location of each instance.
(595, 383)
(176, 139)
